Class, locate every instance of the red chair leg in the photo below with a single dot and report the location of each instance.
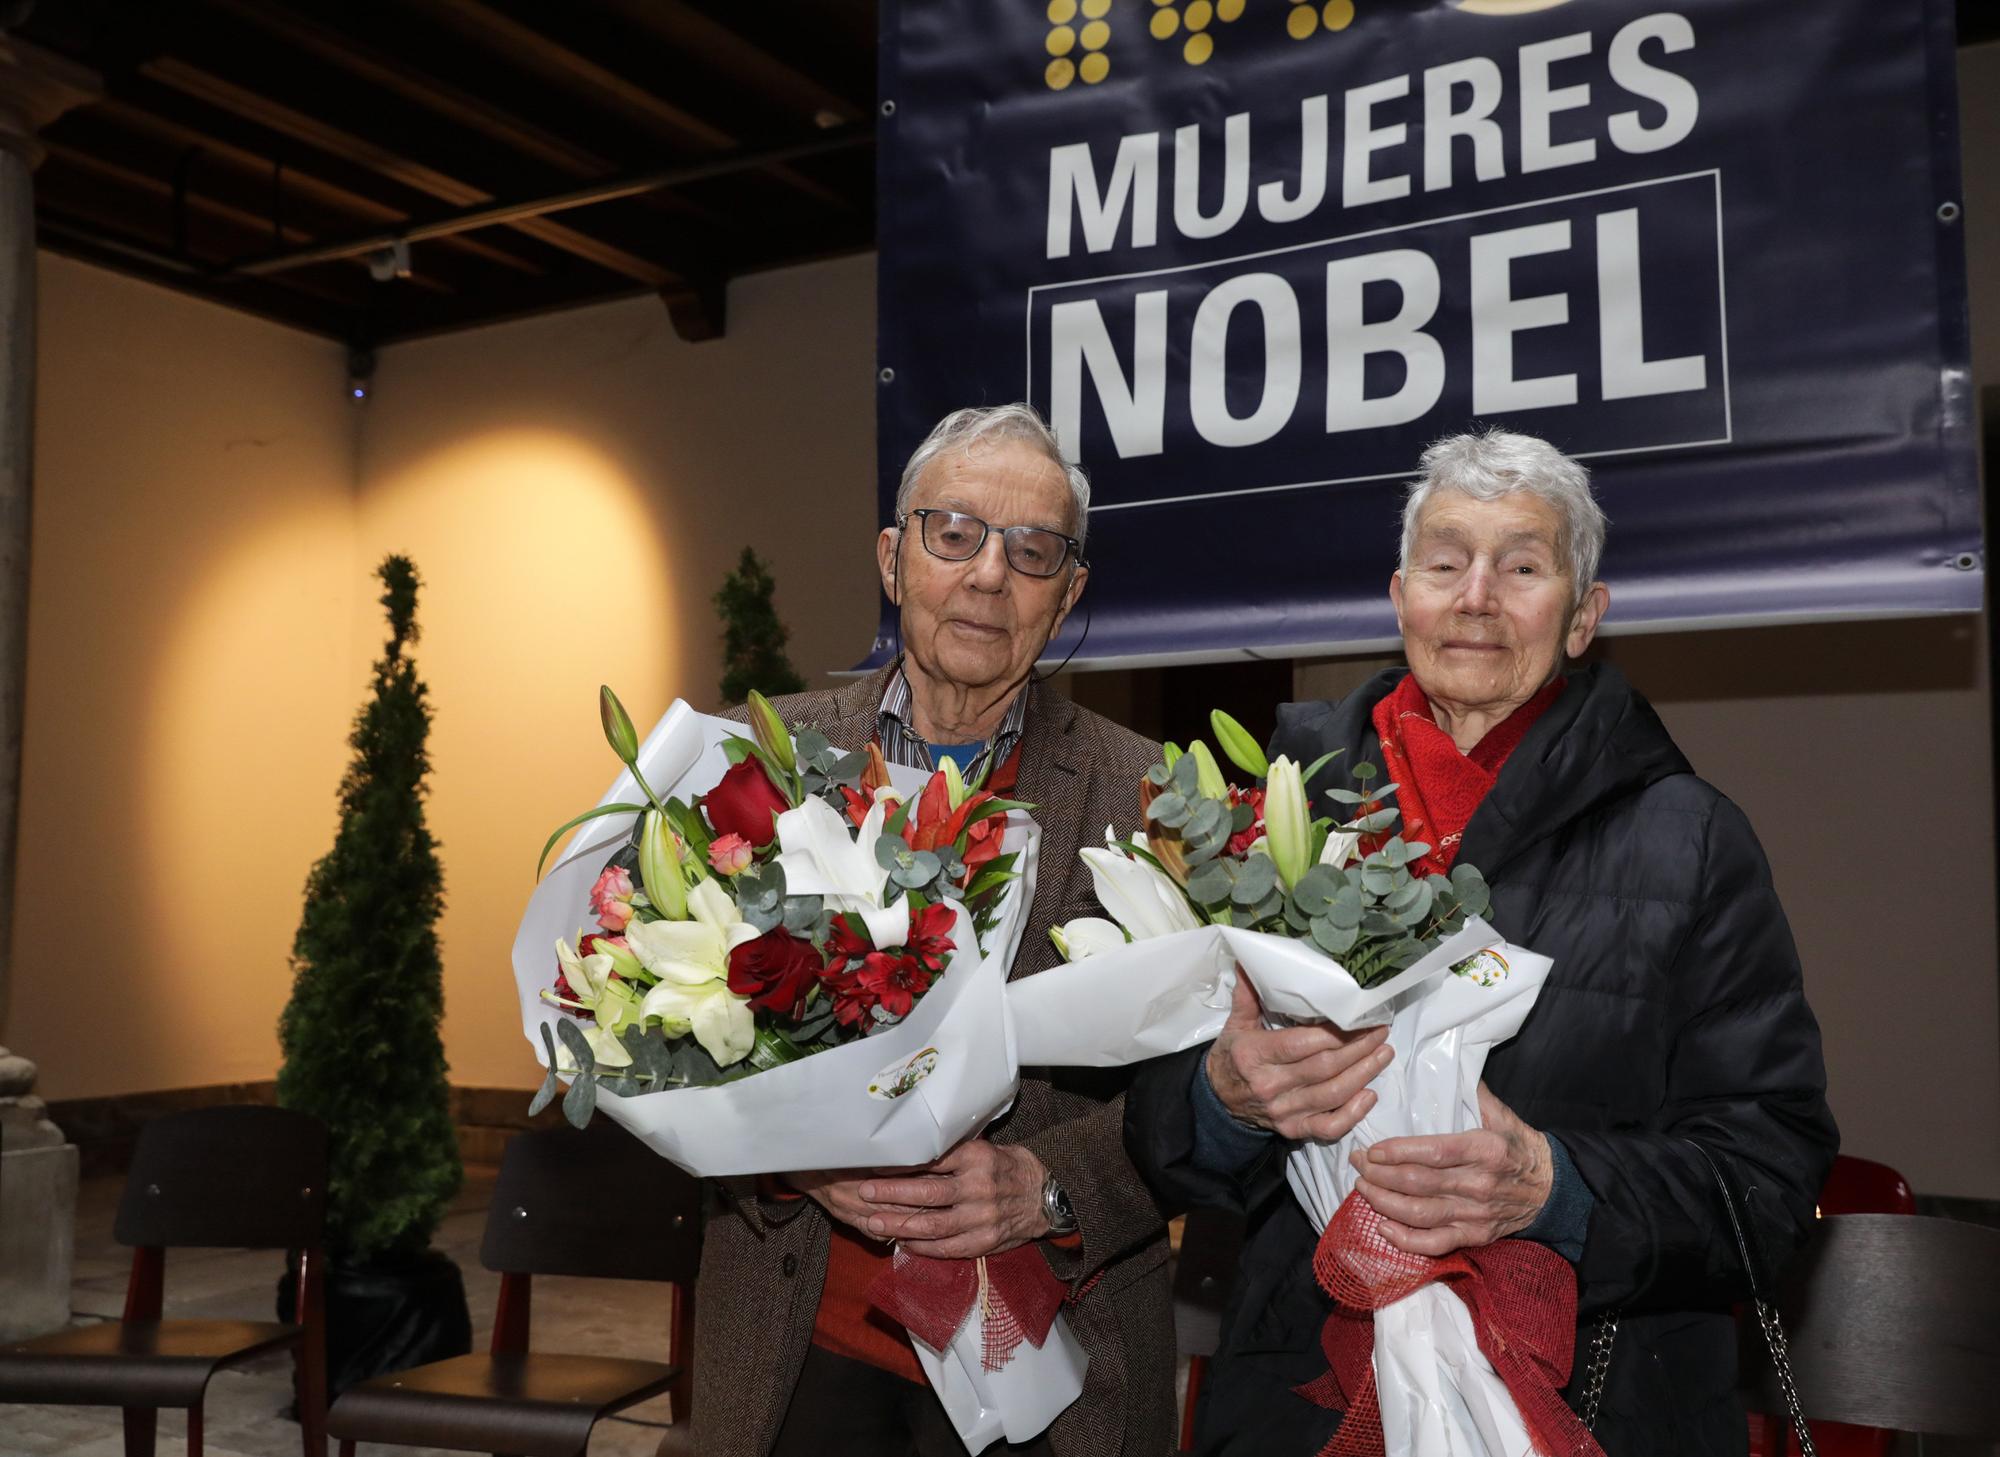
(194, 1430)
(681, 1393)
(1197, 1369)
(140, 1424)
(347, 1447)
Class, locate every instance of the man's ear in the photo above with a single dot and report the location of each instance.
(1396, 599)
(887, 544)
(1077, 578)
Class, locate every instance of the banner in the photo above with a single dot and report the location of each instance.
(1250, 257)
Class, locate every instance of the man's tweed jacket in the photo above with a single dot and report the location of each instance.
(763, 1261)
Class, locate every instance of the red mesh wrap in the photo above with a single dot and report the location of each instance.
(1522, 1297)
(1017, 1294)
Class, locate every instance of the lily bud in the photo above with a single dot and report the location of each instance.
(1287, 825)
(1236, 742)
(770, 733)
(618, 731)
(954, 783)
(622, 960)
(660, 868)
(1208, 774)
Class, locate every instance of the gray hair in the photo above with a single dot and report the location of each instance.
(1496, 463)
(962, 431)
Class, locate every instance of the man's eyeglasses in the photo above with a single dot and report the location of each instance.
(1032, 551)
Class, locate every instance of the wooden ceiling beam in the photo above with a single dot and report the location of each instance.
(746, 63)
(144, 121)
(277, 117)
(255, 226)
(475, 114)
(533, 51)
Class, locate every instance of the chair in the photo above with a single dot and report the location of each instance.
(1204, 1272)
(550, 1217)
(1855, 1186)
(232, 1177)
(1893, 1321)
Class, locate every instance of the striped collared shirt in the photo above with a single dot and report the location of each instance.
(901, 744)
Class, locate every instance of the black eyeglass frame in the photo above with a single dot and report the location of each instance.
(986, 529)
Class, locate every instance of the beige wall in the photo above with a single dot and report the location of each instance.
(574, 488)
(190, 681)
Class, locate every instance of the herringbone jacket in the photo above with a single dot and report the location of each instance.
(763, 1261)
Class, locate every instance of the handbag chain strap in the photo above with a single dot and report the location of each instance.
(1767, 1313)
(1602, 1337)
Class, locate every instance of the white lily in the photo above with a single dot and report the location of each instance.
(1145, 901)
(691, 959)
(1341, 847)
(1087, 936)
(587, 975)
(820, 857)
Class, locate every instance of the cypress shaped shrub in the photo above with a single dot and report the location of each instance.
(753, 639)
(362, 1050)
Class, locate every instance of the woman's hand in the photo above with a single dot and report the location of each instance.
(1442, 1192)
(1302, 1083)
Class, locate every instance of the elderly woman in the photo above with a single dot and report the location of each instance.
(1673, 1030)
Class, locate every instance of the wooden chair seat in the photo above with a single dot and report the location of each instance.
(133, 1363)
(535, 1404)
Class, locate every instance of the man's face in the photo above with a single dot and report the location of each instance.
(1486, 607)
(979, 623)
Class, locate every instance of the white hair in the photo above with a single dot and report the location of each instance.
(962, 431)
(1496, 463)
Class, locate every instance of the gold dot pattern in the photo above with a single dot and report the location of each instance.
(1191, 21)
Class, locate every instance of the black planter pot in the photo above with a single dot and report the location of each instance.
(388, 1315)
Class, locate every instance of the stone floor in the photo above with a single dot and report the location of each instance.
(244, 1411)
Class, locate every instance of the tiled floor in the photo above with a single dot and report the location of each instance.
(244, 1414)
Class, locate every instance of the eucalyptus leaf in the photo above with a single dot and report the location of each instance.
(581, 1100)
(1169, 809)
(1315, 889)
(1254, 879)
(1344, 796)
(1211, 883)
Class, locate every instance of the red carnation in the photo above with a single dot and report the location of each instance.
(775, 972)
(1242, 840)
(745, 802)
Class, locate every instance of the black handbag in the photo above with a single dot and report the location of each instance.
(1606, 1332)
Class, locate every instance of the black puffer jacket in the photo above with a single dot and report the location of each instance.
(1674, 1012)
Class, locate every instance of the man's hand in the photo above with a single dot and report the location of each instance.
(1300, 1082)
(838, 1192)
(980, 1199)
(1438, 1193)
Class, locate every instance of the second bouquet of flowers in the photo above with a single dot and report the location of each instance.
(798, 955)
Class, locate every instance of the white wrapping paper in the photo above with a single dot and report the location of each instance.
(1440, 1396)
(901, 1097)
(1015, 1403)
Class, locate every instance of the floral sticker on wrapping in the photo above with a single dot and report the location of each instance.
(899, 1077)
(1483, 968)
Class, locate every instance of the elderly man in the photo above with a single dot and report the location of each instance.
(985, 561)
(1670, 1053)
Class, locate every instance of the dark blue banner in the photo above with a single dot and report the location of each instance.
(1250, 257)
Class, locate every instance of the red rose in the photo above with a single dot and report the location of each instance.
(744, 803)
(775, 972)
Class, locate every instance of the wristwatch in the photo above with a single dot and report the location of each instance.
(1056, 1207)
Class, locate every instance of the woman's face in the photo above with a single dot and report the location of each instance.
(1487, 608)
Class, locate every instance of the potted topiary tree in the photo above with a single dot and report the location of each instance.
(753, 639)
(362, 1051)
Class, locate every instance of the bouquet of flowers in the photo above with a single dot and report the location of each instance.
(761, 903)
(799, 962)
(1330, 921)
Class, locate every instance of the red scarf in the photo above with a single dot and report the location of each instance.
(1437, 787)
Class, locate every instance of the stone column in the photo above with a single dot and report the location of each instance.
(38, 1170)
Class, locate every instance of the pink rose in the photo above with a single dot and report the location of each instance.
(729, 854)
(611, 899)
